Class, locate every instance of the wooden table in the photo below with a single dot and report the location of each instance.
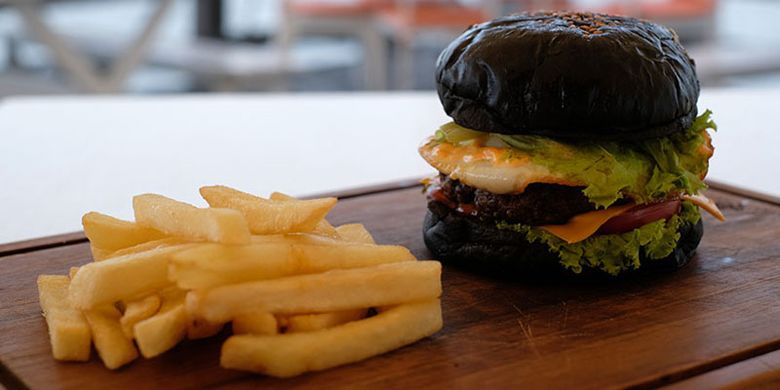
(712, 324)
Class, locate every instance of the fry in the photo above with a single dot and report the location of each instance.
(111, 234)
(199, 329)
(119, 278)
(312, 322)
(384, 284)
(355, 232)
(295, 353)
(137, 311)
(72, 272)
(323, 227)
(165, 329)
(142, 247)
(211, 265)
(114, 348)
(255, 322)
(69, 332)
(189, 222)
(267, 217)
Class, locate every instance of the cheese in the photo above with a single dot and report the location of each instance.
(584, 225)
(705, 204)
(490, 168)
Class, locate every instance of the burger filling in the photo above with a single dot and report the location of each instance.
(595, 204)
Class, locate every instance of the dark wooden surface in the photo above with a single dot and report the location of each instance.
(718, 314)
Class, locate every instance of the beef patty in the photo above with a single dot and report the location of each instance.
(539, 204)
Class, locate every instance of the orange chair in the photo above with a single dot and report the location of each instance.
(409, 18)
(354, 18)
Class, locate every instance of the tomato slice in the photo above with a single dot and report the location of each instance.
(639, 216)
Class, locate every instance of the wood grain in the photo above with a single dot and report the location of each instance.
(760, 372)
(41, 243)
(644, 331)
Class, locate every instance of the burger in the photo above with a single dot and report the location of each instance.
(575, 144)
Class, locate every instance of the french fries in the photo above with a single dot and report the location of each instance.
(355, 232)
(69, 332)
(384, 284)
(111, 234)
(137, 311)
(211, 265)
(186, 221)
(298, 295)
(142, 247)
(255, 322)
(266, 216)
(114, 348)
(121, 278)
(312, 322)
(165, 329)
(199, 329)
(295, 353)
(323, 227)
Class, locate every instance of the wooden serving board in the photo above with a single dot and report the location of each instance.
(716, 321)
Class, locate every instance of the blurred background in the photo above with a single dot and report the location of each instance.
(180, 46)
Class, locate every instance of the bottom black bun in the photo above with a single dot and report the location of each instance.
(480, 246)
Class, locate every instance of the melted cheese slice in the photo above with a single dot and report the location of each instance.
(584, 225)
(489, 168)
(705, 204)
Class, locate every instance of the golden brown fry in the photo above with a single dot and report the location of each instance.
(165, 329)
(137, 311)
(295, 353)
(312, 322)
(384, 284)
(69, 332)
(355, 232)
(142, 247)
(114, 348)
(111, 234)
(120, 278)
(72, 272)
(211, 265)
(200, 329)
(323, 228)
(256, 322)
(269, 217)
(189, 222)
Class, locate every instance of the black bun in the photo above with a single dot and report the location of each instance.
(569, 75)
(482, 247)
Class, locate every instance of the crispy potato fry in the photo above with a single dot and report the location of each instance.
(211, 265)
(100, 254)
(312, 322)
(189, 222)
(200, 329)
(111, 234)
(256, 322)
(72, 272)
(69, 332)
(323, 228)
(165, 329)
(114, 348)
(355, 232)
(295, 353)
(142, 247)
(119, 278)
(268, 217)
(137, 311)
(384, 284)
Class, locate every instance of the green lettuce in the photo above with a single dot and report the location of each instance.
(641, 170)
(614, 253)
